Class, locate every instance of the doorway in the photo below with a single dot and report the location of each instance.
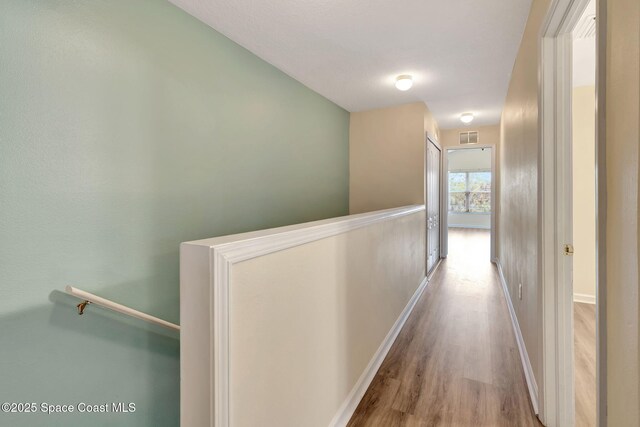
(469, 184)
(583, 216)
(571, 217)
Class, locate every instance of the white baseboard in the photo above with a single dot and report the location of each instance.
(350, 404)
(482, 227)
(585, 298)
(524, 356)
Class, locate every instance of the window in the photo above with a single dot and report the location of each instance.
(470, 192)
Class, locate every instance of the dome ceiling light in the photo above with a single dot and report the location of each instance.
(404, 82)
(466, 118)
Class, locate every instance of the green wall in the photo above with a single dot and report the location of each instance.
(127, 127)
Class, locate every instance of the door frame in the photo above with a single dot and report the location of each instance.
(494, 179)
(557, 403)
(430, 138)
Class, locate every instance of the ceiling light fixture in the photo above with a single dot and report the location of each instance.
(404, 82)
(466, 118)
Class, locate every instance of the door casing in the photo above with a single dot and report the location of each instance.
(557, 399)
(494, 182)
(430, 139)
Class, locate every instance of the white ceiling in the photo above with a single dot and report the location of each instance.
(460, 52)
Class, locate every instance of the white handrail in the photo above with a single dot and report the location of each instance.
(94, 299)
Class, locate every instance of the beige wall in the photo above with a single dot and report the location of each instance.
(386, 156)
(305, 318)
(518, 207)
(622, 142)
(584, 195)
(431, 125)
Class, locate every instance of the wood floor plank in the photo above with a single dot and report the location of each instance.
(478, 359)
(376, 402)
(455, 362)
(585, 363)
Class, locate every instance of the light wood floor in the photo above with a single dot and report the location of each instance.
(456, 361)
(584, 319)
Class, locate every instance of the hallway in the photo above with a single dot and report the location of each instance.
(456, 361)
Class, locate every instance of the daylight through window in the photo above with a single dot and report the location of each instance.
(470, 192)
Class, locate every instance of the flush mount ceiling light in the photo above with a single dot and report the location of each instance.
(466, 118)
(404, 82)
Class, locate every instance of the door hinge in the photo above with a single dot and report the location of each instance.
(568, 249)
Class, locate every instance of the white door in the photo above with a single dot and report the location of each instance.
(432, 186)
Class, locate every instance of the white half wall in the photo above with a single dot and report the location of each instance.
(287, 327)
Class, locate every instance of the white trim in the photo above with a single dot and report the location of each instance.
(480, 227)
(433, 271)
(524, 356)
(584, 298)
(468, 170)
(225, 251)
(557, 397)
(470, 214)
(601, 212)
(494, 196)
(444, 203)
(348, 407)
(277, 239)
(442, 223)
